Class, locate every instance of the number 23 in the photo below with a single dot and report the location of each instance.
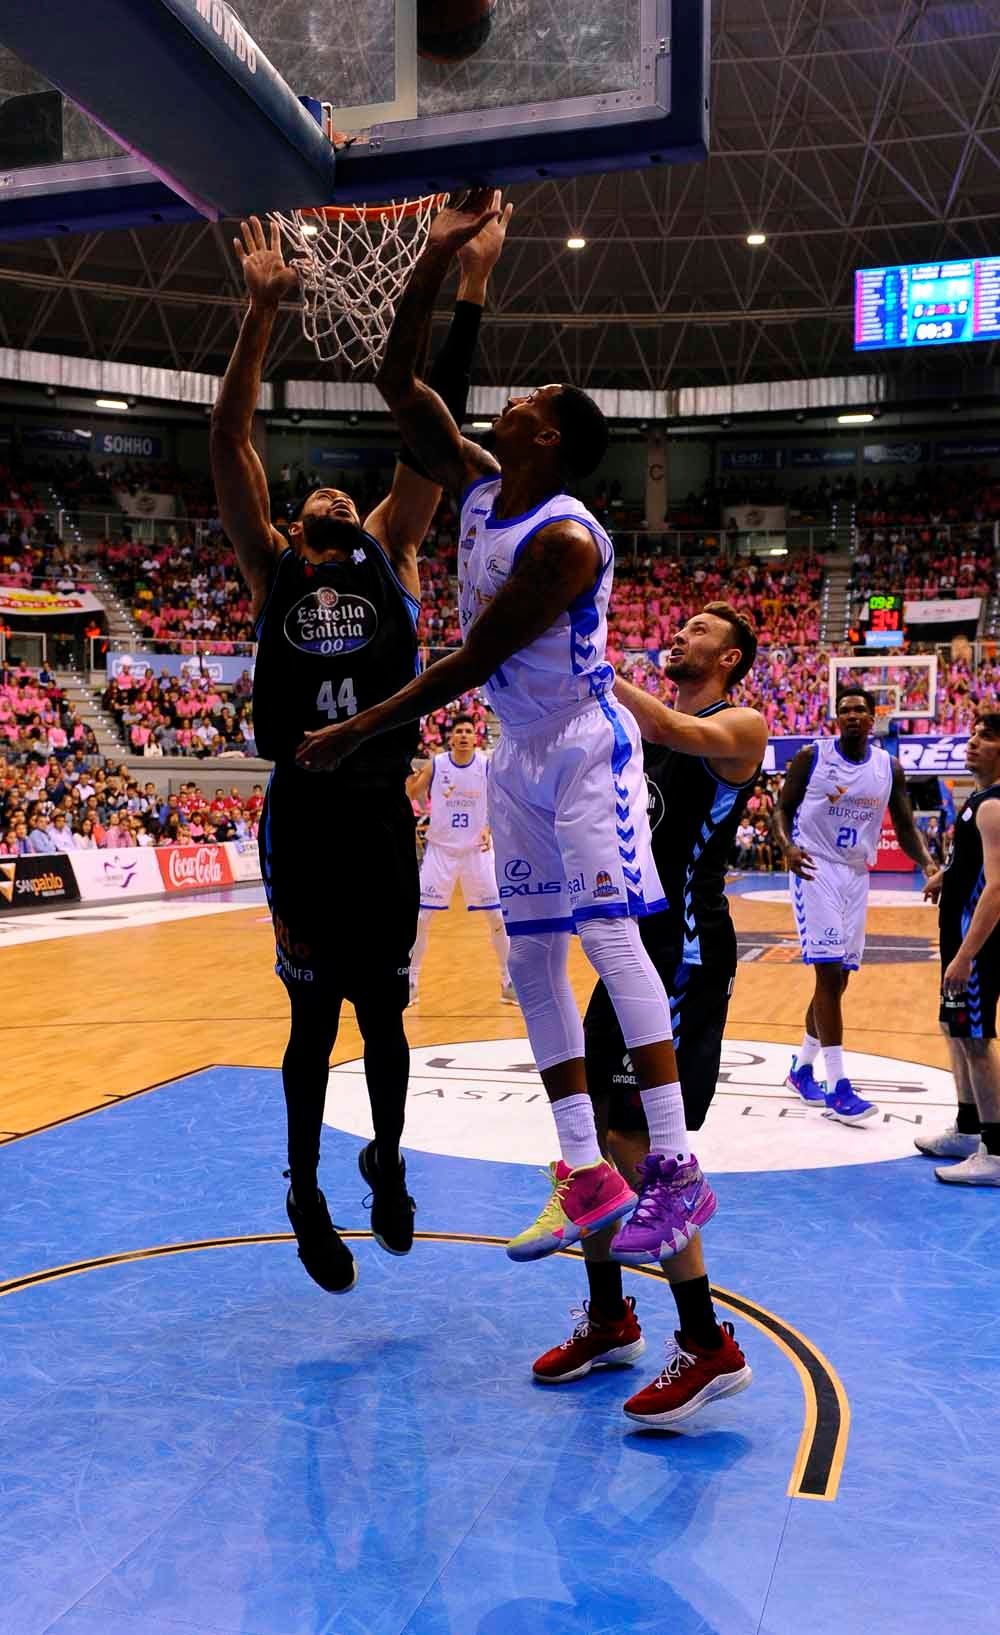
(345, 702)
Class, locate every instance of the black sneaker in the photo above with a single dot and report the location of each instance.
(391, 1205)
(322, 1250)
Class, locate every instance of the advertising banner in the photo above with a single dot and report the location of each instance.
(756, 518)
(105, 876)
(353, 459)
(780, 751)
(54, 437)
(194, 868)
(244, 859)
(804, 457)
(129, 445)
(27, 882)
(958, 611)
(144, 504)
(751, 459)
(896, 454)
(19, 599)
(891, 858)
(221, 667)
(932, 756)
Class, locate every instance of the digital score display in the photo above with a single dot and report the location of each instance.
(935, 303)
(882, 622)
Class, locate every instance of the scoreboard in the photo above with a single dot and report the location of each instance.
(928, 304)
(882, 622)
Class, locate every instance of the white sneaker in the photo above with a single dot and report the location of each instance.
(981, 1170)
(951, 1143)
(507, 994)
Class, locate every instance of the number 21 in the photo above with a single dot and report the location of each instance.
(846, 838)
(345, 700)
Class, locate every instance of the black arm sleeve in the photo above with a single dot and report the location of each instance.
(451, 372)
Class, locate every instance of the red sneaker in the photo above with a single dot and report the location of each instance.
(593, 1344)
(692, 1377)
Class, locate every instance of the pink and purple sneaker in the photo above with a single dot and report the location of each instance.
(675, 1202)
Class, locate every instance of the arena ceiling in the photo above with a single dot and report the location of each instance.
(851, 132)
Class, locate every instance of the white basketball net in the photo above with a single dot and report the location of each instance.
(353, 265)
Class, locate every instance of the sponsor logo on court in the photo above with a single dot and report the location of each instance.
(777, 948)
(326, 622)
(484, 1099)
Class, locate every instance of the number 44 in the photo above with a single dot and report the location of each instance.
(345, 702)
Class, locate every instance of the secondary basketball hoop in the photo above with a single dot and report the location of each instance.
(353, 262)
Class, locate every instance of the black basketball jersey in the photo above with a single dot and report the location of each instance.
(964, 876)
(335, 638)
(693, 816)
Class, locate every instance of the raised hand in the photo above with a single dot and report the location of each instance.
(479, 255)
(463, 217)
(268, 280)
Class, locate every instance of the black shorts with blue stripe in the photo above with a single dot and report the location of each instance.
(699, 1003)
(972, 1015)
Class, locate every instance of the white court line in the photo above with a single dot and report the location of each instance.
(17, 930)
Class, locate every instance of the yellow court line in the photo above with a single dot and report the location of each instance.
(767, 1322)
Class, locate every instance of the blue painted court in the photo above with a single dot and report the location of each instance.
(202, 1441)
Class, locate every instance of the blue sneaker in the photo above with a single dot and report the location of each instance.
(844, 1105)
(801, 1080)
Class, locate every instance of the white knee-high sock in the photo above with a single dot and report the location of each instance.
(419, 948)
(501, 945)
(833, 1055)
(808, 1051)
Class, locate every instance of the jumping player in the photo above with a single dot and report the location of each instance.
(335, 614)
(827, 822)
(459, 846)
(702, 761)
(970, 964)
(567, 798)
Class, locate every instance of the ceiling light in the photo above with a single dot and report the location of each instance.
(755, 240)
(309, 229)
(864, 419)
(576, 244)
(78, 431)
(482, 425)
(111, 403)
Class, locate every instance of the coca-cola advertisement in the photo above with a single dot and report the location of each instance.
(194, 868)
(891, 857)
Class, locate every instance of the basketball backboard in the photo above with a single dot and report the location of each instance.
(556, 89)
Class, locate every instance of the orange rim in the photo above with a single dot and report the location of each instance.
(372, 212)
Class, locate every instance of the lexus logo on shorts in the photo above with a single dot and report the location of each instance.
(517, 869)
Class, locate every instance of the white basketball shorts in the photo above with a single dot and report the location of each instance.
(473, 867)
(830, 915)
(567, 807)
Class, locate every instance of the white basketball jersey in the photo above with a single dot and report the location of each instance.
(564, 666)
(458, 801)
(840, 818)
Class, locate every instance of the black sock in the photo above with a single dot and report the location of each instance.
(990, 1136)
(387, 1073)
(606, 1298)
(967, 1118)
(696, 1313)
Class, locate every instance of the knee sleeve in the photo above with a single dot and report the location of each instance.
(541, 982)
(615, 950)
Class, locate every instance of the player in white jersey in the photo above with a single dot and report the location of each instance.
(459, 846)
(567, 796)
(828, 821)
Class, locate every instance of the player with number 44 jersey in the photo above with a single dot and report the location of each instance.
(828, 822)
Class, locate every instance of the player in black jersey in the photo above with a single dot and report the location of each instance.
(969, 921)
(702, 761)
(335, 613)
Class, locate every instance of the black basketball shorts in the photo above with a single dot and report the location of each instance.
(340, 872)
(973, 1014)
(699, 1002)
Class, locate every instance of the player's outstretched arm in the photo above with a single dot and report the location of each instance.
(240, 481)
(558, 564)
(400, 522)
(797, 859)
(734, 740)
(986, 916)
(907, 833)
(421, 415)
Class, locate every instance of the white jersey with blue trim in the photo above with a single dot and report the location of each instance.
(458, 801)
(564, 666)
(840, 818)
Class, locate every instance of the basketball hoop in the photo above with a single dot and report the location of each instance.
(353, 262)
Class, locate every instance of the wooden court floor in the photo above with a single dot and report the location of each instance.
(85, 1020)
